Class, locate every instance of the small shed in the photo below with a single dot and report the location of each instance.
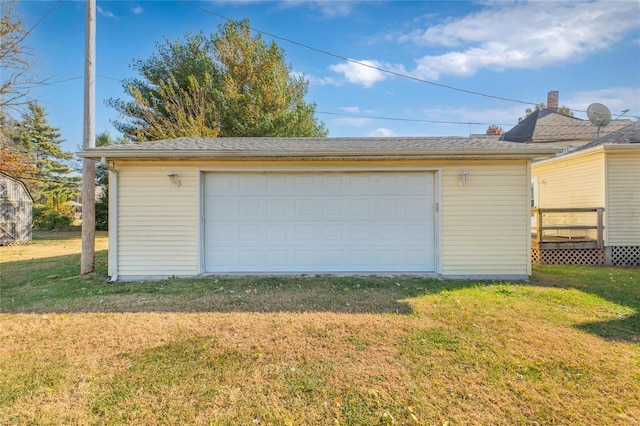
(447, 206)
(589, 200)
(16, 215)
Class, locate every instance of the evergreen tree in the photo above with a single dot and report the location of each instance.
(228, 84)
(43, 145)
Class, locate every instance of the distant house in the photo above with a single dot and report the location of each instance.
(548, 126)
(76, 201)
(16, 207)
(453, 207)
(603, 174)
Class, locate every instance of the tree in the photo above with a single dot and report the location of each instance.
(227, 84)
(42, 143)
(14, 59)
(14, 159)
(494, 130)
(102, 181)
(562, 110)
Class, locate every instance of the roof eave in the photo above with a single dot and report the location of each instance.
(620, 146)
(235, 155)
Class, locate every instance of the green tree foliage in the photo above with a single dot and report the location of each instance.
(52, 185)
(227, 84)
(102, 181)
(562, 110)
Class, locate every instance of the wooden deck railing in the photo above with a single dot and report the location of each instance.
(542, 214)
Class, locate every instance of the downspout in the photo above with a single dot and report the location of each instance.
(113, 219)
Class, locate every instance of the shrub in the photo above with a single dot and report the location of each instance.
(102, 211)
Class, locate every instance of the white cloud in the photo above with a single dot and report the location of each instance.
(329, 9)
(137, 10)
(499, 116)
(365, 75)
(523, 35)
(351, 110)
(382, 132)
(321, 81)
(351, 122)
(315, 80)
(616, 99)
(106, 13)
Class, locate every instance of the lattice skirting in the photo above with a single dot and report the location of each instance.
(625, 255)
(15, 243)
(568, 257)
(615, 256)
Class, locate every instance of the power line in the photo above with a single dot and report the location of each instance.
(413, 119)
(109, 78)
(384, 70)
(55, 6)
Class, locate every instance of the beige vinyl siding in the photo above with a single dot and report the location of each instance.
(157, 222)
(485, 224)
(483, 227)
(571, 182)
(623, 198)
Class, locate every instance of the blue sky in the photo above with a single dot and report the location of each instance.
(588, 51)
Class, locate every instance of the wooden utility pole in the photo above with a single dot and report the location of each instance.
(87, 260)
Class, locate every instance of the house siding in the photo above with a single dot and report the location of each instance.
(572, 182)
(566, 184)
(483, 227)
(485, 224)
(623, 199)
(157, 222)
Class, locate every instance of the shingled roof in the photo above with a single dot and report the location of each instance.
(397, 147)
(548, 126)
(626, 135)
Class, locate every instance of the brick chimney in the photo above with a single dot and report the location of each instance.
(552, 100)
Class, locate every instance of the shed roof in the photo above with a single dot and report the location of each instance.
(396, 147)
(19, 184)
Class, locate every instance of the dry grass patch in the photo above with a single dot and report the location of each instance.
(317, 350)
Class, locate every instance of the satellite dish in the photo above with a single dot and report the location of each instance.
(599, 115)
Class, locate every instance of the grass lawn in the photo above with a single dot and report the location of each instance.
(313, 350)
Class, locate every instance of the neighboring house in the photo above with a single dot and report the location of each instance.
(603, 174)
(455, 207)
(76, 202)
(548, 126)
(16, 207)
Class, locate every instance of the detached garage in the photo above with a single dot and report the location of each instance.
(454, 207)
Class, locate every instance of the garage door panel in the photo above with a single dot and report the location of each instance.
(388, 208)
(249, 183)
(303, 185)
(277, 183)
(304, 207)
(304, 232)
(417, 232)
(332, 207)
(319, 222)
(277, 232)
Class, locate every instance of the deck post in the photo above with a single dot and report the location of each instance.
(600, 227)
(538, 225)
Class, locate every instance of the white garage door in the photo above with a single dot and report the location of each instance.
(319, 222)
